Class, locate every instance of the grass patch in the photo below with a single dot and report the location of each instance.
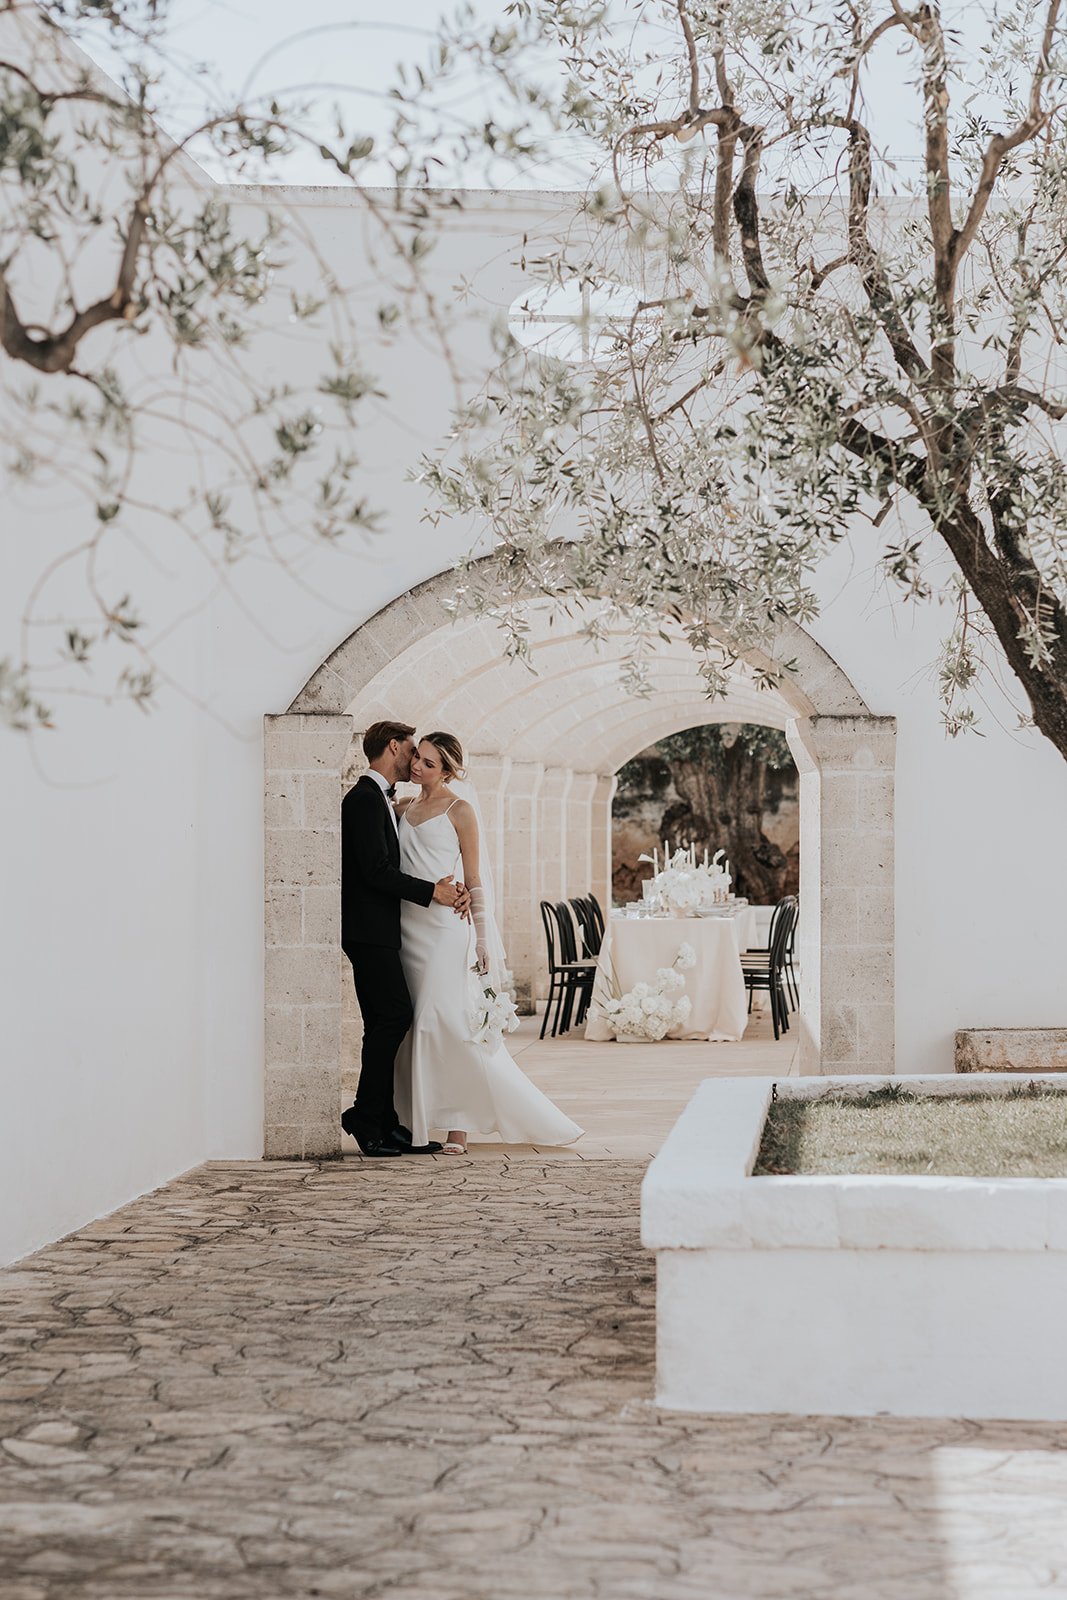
(1022, 1134)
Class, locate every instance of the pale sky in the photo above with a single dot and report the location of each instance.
(345, 52)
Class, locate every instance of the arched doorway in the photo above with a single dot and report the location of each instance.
(544, 750)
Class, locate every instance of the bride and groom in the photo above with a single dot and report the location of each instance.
(417, 915)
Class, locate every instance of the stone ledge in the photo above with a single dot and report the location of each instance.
(1026, 1050)
(699, 1193)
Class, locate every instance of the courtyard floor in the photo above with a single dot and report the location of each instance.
(432, 1379)
(627, 1097)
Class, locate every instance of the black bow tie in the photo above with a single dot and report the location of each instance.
(391, 792)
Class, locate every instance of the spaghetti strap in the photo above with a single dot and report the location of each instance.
(449, 808)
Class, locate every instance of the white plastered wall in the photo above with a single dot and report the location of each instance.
(133, 862)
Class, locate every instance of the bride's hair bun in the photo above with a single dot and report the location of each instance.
(450, 750)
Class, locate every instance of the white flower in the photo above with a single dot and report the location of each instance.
(649, 1010)
(490, 1011)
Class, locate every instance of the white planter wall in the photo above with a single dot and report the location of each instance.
(850, 1296)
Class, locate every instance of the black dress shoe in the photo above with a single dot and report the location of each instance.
(370, 1144)
(401, 1137)
(377, 1147)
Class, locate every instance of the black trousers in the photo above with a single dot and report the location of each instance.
(385, 1003)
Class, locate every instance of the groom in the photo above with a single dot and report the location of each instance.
(372, 887)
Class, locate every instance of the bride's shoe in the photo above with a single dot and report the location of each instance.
(451, 1148)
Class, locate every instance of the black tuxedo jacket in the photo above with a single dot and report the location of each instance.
(372, 884)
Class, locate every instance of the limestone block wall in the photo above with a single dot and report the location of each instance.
(600, 838)
(302, 926)
(580, 832)
(847, 940)
(552, 828)
(521, 869)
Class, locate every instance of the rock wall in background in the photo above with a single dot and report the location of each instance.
(730, 786)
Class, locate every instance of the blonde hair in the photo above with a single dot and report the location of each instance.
(450, 750)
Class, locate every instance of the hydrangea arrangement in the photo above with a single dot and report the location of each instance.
(650, 1010)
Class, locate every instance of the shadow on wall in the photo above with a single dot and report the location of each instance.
(730, 786)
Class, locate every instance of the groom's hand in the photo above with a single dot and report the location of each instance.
(447, 893)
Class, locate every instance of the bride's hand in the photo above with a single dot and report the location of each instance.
(482, 955)
(463, 902)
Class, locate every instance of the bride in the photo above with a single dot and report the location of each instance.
(445, 1077)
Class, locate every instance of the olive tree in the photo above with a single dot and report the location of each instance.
(134, 297)
(786, 335)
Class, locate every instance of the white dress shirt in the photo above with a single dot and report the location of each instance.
(384, 785)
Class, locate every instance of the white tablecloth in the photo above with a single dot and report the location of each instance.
(634, 948)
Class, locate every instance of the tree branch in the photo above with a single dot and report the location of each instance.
(746, 210)
(694, 61)
(862, 253)
(56, 352)
(1001, 144)
(925, 24)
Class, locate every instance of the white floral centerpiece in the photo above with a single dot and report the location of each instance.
(684, 886)
(490, 1007)
(649, 1011)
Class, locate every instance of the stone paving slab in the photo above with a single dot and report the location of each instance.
(432, 1380)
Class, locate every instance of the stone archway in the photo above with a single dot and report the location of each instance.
(545, 749)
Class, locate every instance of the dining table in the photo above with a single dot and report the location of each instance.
(635, 947)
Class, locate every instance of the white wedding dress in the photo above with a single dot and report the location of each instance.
(444, 1078)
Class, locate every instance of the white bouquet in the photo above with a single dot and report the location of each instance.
(490, 1007)
(649, 1010)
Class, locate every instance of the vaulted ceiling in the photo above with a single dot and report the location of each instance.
(571, 710)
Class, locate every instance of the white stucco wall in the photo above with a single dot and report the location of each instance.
(132, 878)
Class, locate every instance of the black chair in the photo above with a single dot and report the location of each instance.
(584, 965)
(762, 952)
(592, 932)
(790, 971)
(569, 978)
(766, 970)
(598, 917)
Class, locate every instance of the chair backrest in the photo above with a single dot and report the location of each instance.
(777, 916)
(598, 916)
(551, 926)
(568, 943)
(591, 934)
(781, 930)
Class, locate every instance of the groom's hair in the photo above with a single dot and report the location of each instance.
(380, 735)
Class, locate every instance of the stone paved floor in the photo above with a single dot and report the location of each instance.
(432, 1381)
